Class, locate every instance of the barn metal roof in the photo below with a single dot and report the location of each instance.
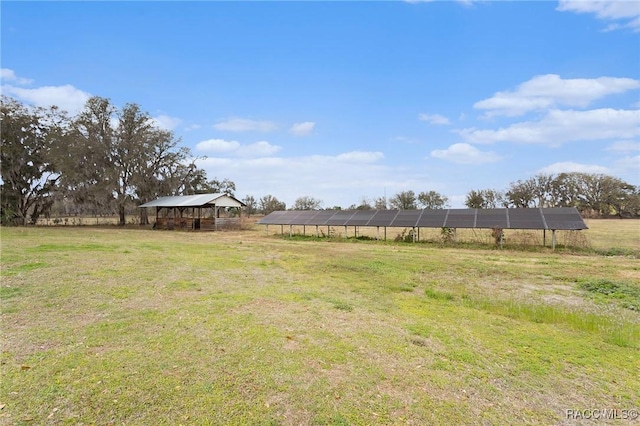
(560, 218)
(198, 200)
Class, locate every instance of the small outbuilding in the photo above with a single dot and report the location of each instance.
(194, 212)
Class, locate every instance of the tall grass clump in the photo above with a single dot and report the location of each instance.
(438, 295)
(616, 332)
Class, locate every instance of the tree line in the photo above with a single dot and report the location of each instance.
(108, 160)
(102, 161)
(594, 195)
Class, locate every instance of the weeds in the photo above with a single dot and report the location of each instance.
(618, 251)
(611, 330)
(342, 306)
(626, 294)
(438, 295)
(447, 235)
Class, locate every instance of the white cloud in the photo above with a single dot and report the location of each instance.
(624, 146)
(67, 97)
(550, 90)
(246, 125)
(302, 129)
(335, 179)
(631, 165)
(7, 74)
(236, 149)
(463, 153)
(257, 163)
(626, 13)
(166, 122)
(217, 145)
(360, 157)
(434, 119)
(571, 167)
(559, 127)
(258, 149)
(468, 3)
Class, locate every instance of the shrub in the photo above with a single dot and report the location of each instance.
(447, 235)
(498, 235)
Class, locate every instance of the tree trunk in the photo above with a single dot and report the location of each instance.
(144, 217)
(121, 214)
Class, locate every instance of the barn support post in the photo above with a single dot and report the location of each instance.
(544, 238)
(304, 230)
(317, 232)
(413, 234)
(346, 232)
(290, 231)
(282, 229)
(553, 239)
(378, 233)
(385, 233)
(455, 235)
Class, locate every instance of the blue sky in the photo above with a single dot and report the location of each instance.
(345, 101)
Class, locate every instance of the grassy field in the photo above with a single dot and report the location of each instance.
(127, 326)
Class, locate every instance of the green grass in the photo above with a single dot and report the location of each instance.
(627, 295)
(123, 326)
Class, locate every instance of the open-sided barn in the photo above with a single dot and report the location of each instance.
(196, 212)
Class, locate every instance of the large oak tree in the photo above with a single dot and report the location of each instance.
(28, 164)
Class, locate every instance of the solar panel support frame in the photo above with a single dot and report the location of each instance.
(563, 218)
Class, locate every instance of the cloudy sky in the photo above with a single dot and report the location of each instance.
(345, 101)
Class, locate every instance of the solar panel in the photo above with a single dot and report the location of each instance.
(302, 217)
(432, 218)
(361, 217)
(526, 219)
(383, 218)
(340, 218)
(566, 218)
(406, 218)
(563, 218)
(276, 218)
(461, 218)
(491, 218)
(322, 217)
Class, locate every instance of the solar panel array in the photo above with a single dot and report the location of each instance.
(561, 218)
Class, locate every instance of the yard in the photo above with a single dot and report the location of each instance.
(128, 326)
